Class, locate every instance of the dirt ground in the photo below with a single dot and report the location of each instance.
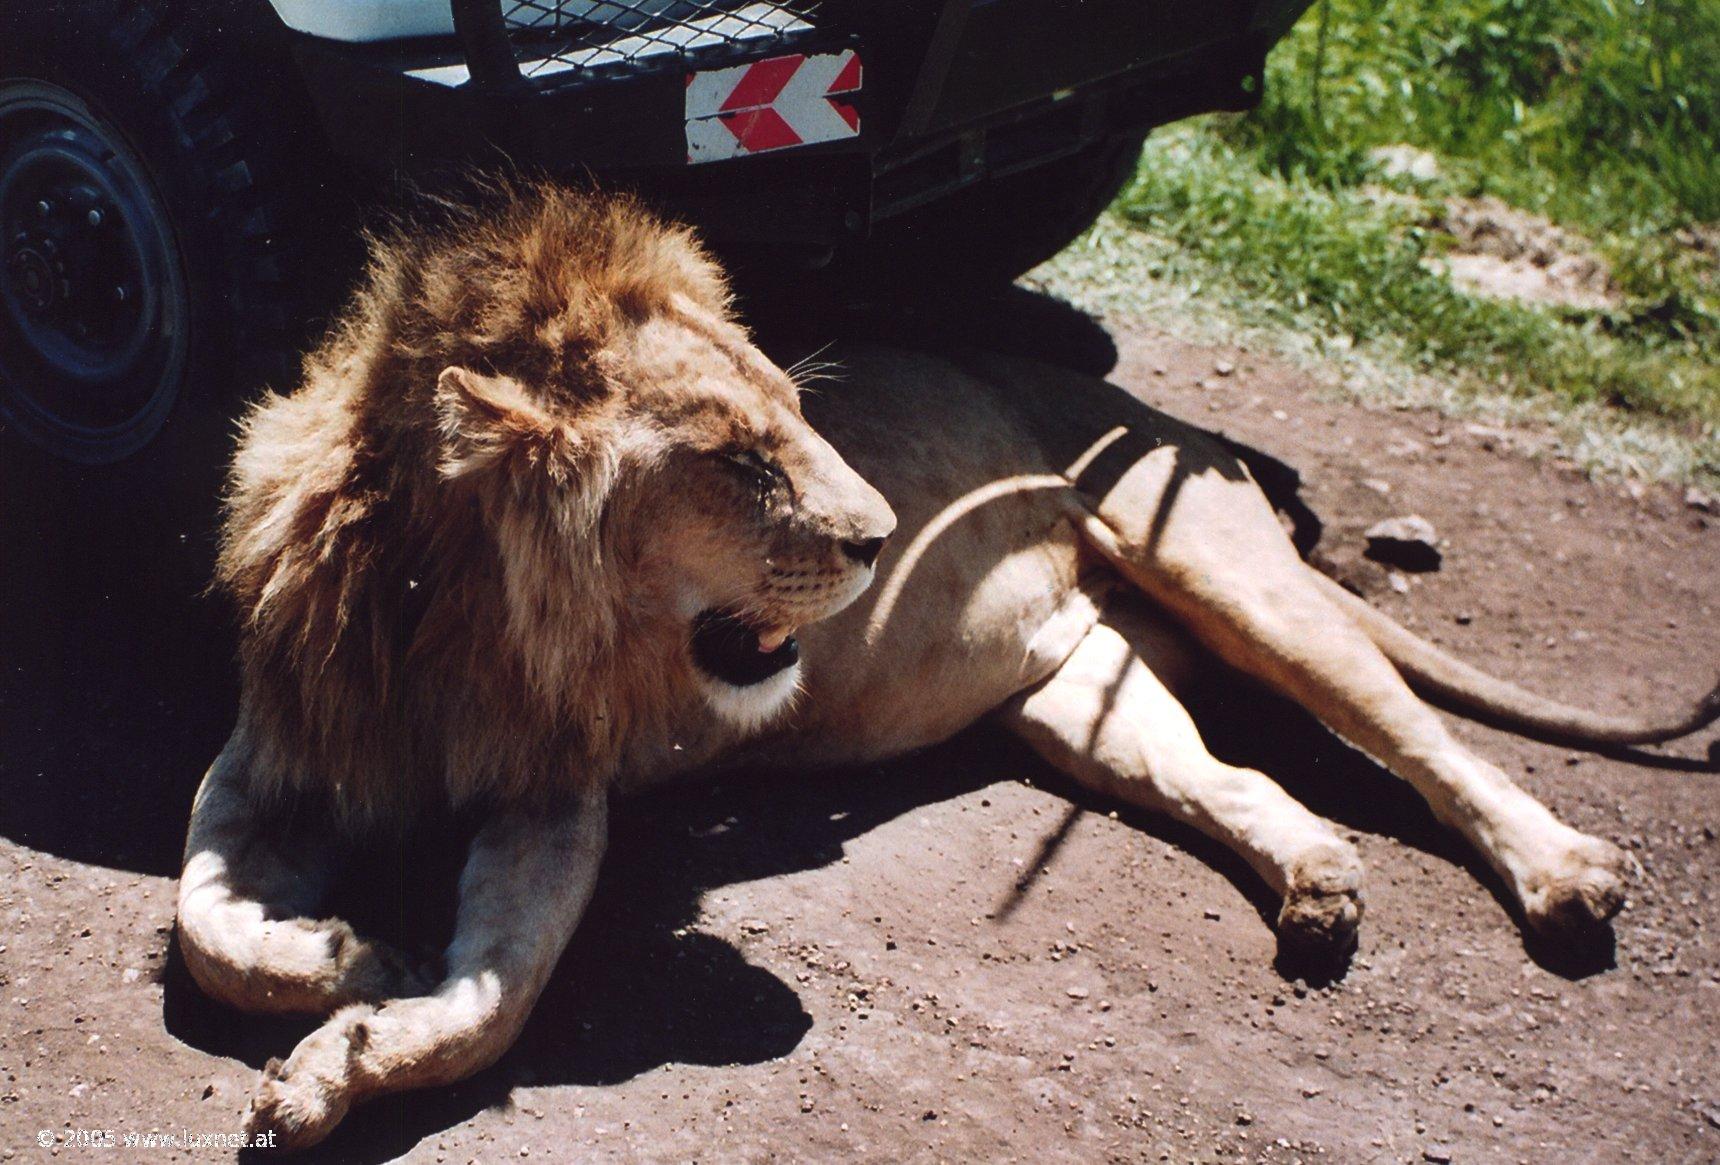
(955, 957)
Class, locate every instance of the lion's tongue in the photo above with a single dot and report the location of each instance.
(733, 652)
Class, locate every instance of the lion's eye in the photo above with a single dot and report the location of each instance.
(756, 465)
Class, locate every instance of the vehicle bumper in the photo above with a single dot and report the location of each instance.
(952, 95)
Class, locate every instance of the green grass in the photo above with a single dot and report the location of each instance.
(1349, 263)
(1604, 113)
(1602, 116)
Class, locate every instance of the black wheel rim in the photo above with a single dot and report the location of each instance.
(94, 309)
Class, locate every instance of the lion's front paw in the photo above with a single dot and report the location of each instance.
(369, 971)
(297, 1108)
(1323, 905)
(302, 1100)
(1580, 892)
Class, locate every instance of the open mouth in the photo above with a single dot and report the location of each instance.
(734, 651)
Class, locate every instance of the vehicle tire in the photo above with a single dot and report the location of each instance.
(988, 235)
(146, 214)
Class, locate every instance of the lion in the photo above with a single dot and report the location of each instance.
(542, 527)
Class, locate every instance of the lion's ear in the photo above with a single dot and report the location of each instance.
(488, 419)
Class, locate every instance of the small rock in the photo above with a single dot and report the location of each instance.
(1698, 499)
(1224, 368)
(1463, 618)
(1076, 993)
(1437, 1156)
(1212, 915)
(1408, 543)
(1398, 582)
(755, 926)
(1405, 161)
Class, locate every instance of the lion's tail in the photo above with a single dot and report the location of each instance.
(1456, 685)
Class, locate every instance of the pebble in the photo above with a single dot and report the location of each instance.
(1408, 542)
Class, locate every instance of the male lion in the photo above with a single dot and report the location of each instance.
(542, 526)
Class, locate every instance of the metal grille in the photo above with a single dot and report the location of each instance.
(559, 36)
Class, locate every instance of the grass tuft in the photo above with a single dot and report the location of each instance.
(1603, 115)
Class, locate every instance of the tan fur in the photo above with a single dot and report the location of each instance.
(471, 551)
(416, 534)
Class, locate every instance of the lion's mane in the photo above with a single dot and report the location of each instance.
(426, 586)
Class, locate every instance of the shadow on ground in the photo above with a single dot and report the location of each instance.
(118, 689)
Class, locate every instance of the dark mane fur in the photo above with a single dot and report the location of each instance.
(399, 629)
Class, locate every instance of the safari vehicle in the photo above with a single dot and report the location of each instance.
(167, 166)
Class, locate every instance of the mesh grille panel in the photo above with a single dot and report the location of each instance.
(559, 36)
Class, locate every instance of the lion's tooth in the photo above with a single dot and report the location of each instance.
(769, 641)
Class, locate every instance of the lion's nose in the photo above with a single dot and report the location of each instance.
(865, 551)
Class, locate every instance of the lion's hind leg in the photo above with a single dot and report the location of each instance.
(248, 894)
(1216, 558)
(1109, 722)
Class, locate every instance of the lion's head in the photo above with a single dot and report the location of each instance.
(539, 493)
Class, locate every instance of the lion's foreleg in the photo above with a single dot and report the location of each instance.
(1107, 720)
(251, 885)
(525, 885)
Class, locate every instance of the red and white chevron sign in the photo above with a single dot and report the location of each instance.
(773, 104)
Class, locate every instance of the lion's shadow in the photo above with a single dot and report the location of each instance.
(641, 986)
(120, 690)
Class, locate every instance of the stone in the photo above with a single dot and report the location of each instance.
(1408, 543)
